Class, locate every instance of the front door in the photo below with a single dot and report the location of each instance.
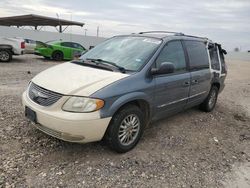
(171, 90)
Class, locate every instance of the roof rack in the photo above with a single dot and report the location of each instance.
(171, 32)
(175, 33)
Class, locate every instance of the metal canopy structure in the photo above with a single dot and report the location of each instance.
(36, 21)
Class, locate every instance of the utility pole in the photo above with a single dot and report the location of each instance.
(70, 27)
(97, 32)
(60, 26)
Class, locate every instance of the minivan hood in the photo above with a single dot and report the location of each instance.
(73, 79)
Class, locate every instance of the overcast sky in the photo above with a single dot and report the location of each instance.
(225, 21)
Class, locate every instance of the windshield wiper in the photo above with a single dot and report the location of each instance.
(101, 61)
(91, 65)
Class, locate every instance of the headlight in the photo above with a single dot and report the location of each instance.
(82, 104)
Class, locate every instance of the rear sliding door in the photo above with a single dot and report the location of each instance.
(200, 71)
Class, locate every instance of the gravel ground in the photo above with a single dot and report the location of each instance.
(190, 149)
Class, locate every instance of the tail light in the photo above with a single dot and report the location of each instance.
(22, 45)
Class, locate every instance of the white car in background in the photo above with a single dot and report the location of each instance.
(10, 47)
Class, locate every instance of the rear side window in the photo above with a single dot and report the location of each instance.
(173, 53)
(215, 64)
(67, 44)
(197, 54)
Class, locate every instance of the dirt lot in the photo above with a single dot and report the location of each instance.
(191, 149)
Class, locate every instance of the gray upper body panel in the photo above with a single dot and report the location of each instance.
(139, 85)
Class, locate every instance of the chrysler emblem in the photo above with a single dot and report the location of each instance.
(38, 94)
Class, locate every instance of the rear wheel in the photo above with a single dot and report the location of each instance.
(210, 102)
(125, 129)
(57, 55)
(5, 55)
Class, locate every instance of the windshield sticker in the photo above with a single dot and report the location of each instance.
(152, 41)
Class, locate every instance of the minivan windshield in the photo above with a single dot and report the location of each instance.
(129, 52)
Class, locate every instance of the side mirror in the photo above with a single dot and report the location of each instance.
(165, 68)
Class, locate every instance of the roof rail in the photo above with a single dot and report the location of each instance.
(171, 32)
(196, 37)
(175, 33)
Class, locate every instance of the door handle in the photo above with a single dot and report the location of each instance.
(187, 83)
(195, 82)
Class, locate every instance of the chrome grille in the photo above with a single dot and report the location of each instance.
(43, 96)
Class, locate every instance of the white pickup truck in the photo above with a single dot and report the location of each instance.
(10, 47)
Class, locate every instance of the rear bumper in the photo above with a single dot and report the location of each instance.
(18, 52)
(72, 127)
(222, 82)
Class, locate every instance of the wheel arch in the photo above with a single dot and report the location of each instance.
(138, 99)
(6, 47)
(142, 104)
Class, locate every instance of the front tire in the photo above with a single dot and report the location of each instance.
(125, 129)
(5, 55)
(210, 102)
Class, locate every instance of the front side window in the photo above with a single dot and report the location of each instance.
(197, 54)
(173, 53)
(130, 52)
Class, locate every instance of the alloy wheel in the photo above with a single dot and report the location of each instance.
(4, 56)
(129, 129)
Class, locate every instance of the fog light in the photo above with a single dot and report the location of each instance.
(72, 138)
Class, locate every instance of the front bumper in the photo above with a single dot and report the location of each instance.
(37, 53)
(72, 127)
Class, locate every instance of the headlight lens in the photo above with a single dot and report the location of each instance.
(82, 104)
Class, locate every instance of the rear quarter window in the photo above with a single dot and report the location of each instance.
(197, 54)
(223, 64)
(215, 64)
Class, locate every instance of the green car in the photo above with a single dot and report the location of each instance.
(59, 50)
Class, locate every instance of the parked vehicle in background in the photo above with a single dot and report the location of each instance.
(117, 88)
(10, 47)
(30, 46)
(58, 50)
